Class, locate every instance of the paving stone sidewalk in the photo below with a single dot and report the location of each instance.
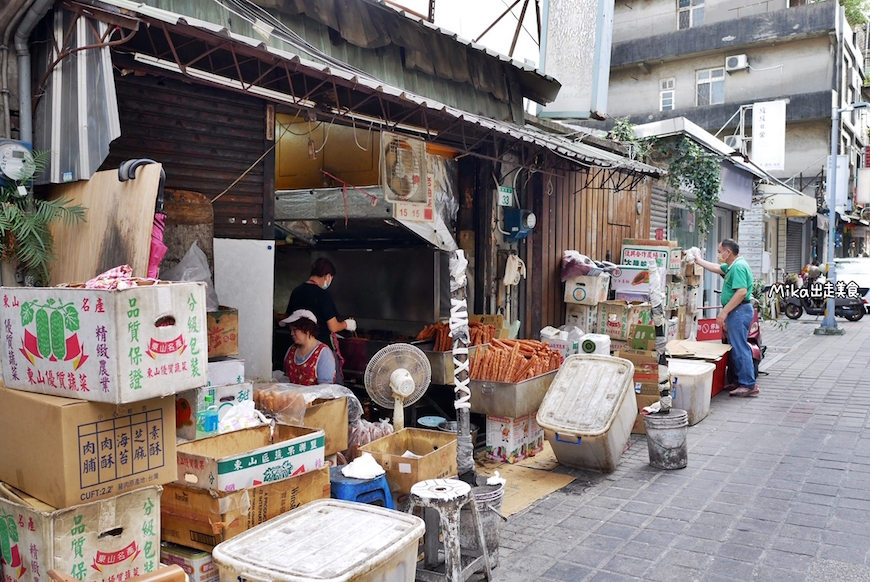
(777, 487)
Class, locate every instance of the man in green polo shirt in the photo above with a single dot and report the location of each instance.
(736, 314)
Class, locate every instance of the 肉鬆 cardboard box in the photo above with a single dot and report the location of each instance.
(586, 289)
(433, 456)
(643, 400)
(497, 321)
(113, 538)
(226, 370)
(197, 564)
(506, 438)
(202, 518)
(630, 279)
(189, 402)
(331, 417)
(223, 332)
(583, 316)
(646, 364)
(615, 318)
(249, 457)
(117, 346)
(65, 452)
(667, 258)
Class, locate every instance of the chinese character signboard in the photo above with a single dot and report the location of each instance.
(105, 345)
(768, 135)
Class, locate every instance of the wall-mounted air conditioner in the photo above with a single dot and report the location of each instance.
(733, 141)
(736, 63)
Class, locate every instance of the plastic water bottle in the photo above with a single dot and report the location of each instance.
(207, 416)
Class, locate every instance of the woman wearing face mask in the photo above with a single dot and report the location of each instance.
(313, 296)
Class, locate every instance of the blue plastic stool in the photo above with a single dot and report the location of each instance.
(374, 491)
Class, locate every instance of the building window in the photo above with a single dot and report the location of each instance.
(690, 13)
(666, 94)
(711, 86)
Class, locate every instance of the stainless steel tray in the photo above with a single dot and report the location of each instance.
(441, 363)
(511, 399)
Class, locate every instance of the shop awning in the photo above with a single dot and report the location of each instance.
(787, 202)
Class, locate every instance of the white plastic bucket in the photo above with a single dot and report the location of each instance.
(694, 385)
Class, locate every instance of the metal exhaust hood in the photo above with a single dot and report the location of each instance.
(354, 218)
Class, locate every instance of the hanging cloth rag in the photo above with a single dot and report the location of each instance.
(514, 270)
(158, 249)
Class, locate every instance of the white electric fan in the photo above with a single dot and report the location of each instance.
(397, 376)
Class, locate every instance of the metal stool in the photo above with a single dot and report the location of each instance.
(442, 500)
(374, 491)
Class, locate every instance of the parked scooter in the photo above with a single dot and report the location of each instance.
(852, 308)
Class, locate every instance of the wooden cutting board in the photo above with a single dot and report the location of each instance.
(119, 218)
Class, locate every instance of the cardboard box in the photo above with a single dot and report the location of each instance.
(632, 297)
(226, 370)
(615, 318)
(65, 452)
(105, 345)
(497, 321)
(671, 327)
(616, 345)
(107, 539)
(506, 438)
(331, 417)
(631, 279)
(692, 299)
(223, 332)
(667, 258)
(646, 364)
(189, 403)
(435, 451)
(642, 402)
(249, 457)
(583, 316)
(587, 290)
(197, 564)
(643, 337)
(201, 518)
(534, 436)
(675, 293)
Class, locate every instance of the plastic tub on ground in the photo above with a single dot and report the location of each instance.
(327, 541)
(693, 387)
(589, 410)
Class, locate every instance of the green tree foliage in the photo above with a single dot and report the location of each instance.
(689, 167)
(25, 238)
(856, 11)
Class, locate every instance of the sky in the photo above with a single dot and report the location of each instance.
(469, 18)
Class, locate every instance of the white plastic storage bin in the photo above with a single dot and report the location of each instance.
(589, 410)
(694, 387)
(327, 540)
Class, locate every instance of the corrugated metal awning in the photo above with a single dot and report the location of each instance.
(576, 152)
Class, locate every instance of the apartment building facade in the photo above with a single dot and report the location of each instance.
(711, 60)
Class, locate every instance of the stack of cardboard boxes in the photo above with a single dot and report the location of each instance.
(88, 424)
(92, 477)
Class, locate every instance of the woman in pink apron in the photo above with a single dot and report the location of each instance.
(308, 361)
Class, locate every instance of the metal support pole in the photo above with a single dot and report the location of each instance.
(829, 323)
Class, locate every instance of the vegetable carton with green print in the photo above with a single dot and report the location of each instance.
(250, 457)
(115, 538)
(116, 346)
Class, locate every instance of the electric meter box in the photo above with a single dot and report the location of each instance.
(14, 156)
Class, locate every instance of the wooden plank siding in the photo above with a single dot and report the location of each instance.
(592, 220)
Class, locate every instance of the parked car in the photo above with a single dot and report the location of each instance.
(855, 269)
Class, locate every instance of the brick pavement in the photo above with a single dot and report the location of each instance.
(777, 487)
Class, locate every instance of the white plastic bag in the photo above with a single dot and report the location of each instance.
(193, 267)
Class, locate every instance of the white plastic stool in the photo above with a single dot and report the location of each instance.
(442, 500)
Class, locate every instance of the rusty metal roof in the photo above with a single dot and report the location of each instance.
(449, 117)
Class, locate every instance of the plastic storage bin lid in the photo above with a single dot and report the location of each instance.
(691, 368)
(327, 539)
(586, 394)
